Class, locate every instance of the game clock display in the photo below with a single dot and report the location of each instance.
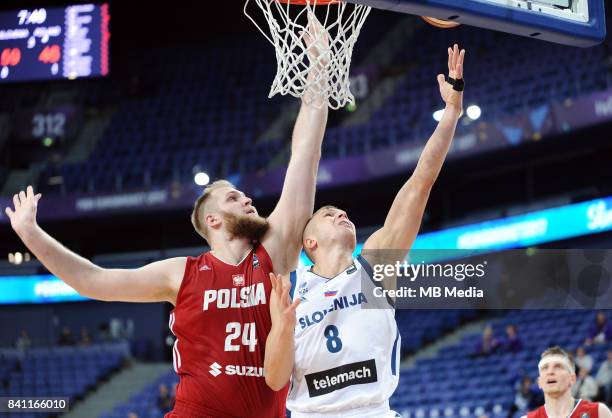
(54, 43)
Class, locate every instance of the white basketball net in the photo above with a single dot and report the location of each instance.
(319, 75)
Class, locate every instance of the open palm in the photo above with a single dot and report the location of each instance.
(282, 310)
(316, 40)
(24, 212)
(455, 70)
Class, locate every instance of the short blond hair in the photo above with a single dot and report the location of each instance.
(202, 204)
(558, 351)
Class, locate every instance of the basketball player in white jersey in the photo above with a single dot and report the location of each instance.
(343, 360)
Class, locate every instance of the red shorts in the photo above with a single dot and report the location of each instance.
(185, 410)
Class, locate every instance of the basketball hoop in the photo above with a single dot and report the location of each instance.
(322, 69)
(313, 2)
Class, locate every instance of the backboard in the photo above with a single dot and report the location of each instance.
(572, 22)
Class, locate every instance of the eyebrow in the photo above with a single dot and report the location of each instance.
(234, 192)
(552, 364)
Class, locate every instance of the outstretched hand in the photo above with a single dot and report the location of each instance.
(24, 213)
(455, 70)
(316, 40)
(282, 310)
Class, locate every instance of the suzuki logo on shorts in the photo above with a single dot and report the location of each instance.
(215, 369)
(232, 370)
(238, 279)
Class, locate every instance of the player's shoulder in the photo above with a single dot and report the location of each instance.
(538, 413)
(588, 404)
(593, 409)
(204, 259)
(602, 410)
(597, 408)
(296, 277)
(261, 255)
(362, 261)
(301, 269)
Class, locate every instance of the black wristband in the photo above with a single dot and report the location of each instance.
(458, 84)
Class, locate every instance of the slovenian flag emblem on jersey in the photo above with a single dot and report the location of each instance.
(330, 293)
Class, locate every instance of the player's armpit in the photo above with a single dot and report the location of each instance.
(283, 246)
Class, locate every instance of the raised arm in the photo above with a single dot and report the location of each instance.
(404, 218)
(280, 345)
(296, 202)
(155, 282)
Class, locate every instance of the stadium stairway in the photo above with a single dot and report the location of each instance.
(377, 97)
(19, 179)
(80, 151)
(89, 137)
(382, 56)
(118, 389)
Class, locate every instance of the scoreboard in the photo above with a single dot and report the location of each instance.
(54, 43)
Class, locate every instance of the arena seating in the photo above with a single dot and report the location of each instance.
(57, 371)
(196, 110)
(199, 110)
(532, 74)
(419, 327)
(18, 96)
(144, 403)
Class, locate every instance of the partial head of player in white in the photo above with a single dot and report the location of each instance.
(329, 229)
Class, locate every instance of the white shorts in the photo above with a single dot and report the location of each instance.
(372, 411)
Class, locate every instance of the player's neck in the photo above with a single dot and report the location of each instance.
(332, 262)
(559, 407)
(230, 251)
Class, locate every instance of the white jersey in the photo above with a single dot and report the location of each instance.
(346, 356)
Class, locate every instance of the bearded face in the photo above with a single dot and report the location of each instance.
(251, 227)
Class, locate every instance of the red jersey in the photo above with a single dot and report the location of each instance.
(221, 322)
(583, 409)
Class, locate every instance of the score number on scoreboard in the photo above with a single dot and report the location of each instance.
(51, 43)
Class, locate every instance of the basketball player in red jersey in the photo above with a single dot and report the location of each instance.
(557, 376)
(221, 317)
